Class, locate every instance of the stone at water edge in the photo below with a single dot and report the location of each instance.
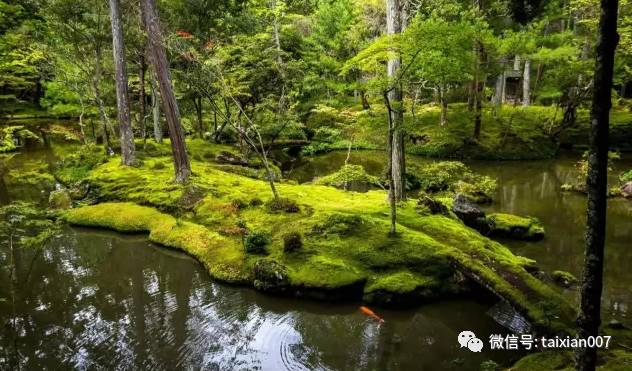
(470, 214)
(626, 190)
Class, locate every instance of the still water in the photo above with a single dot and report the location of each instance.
(100, 300)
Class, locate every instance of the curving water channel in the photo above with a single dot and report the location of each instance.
(99, 300)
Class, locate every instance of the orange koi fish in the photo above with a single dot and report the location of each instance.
(371, 314)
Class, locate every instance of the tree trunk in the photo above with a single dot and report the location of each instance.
(526, 84)
(122, 96)
(597, 185)
(444, 107)
(142, 99)
(197, 102)
(397, 164)
(155, 104)
(276, 31)
(97, 96)
(182, 167)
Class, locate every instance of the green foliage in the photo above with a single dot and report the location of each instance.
(256, 242)
(626, 177)
(77, 166)
(10, 134)
(25, 225)
(453, 176)
(283, 204)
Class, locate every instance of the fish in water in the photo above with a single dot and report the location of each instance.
(371, 314)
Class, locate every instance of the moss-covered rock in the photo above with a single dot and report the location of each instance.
(270, 276)
(346, 251)
(564, 279)
(401, 288)
(516, 227)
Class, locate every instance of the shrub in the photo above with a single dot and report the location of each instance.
(239, 203)
(256, 202)
(292, 241)
(283, 204)
(197, 157)
(256, 242)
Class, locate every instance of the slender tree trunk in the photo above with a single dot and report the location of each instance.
(392, 201)
(397, 163)
(142, 99)
(276, 32)
(155, 104)
(479, 79)
(122, 97)
(182, 167)
(597, 185)
(197, 102)
(96, 81)
(526, 84)
(444, 107)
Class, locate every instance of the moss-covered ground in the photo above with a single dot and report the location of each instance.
(345, 247)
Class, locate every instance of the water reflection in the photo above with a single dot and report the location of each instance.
(97, 300)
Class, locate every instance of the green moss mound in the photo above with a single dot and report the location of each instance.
(516, 227)
(345, 251)
(563, 278)
(349, 175)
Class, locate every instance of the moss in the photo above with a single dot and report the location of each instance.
(9, 135)
(347, 175)
(611, 360)
(563, 278)
(401, 288)
(545, 361)
(223, 258)
(513, 226)
(346, 247)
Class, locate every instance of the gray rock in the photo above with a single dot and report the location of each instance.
(626, 190)
(470, 214)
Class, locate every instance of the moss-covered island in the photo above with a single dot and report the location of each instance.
(233, 226)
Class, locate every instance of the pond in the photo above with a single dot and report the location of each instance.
(93, 299)
(99, 300)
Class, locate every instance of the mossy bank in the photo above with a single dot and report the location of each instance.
(344, 248)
